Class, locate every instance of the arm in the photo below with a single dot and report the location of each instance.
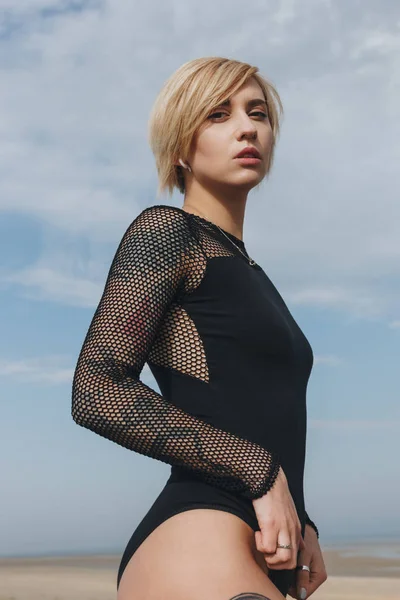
(148, 270)
(312, 524)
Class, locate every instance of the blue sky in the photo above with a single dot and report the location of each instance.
(78, 83)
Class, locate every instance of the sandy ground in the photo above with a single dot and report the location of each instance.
(94, 578)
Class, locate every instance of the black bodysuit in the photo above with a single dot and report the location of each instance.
(231, 363)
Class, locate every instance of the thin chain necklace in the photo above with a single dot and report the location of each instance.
(251, 261)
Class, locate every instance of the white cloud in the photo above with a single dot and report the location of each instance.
(44, 370)
(330, 360)
(41, 283)
(79, 80)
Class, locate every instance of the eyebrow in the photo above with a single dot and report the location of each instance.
(250, 104)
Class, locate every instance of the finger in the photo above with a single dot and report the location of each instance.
(267, 540)
(315, 578)
(284, 556)
(303, 583)
(260, 546)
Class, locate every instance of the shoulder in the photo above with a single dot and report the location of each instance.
(159, 228)
(162, 218)
(163, 214)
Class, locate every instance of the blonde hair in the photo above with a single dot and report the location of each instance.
(184, 103)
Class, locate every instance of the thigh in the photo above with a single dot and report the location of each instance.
(196, 554)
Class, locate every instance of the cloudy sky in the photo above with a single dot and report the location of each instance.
(78, 79)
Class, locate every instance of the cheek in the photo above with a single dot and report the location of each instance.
(211, 155)
(213, 145)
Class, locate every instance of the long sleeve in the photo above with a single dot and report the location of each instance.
(149, 269)
(312, 524)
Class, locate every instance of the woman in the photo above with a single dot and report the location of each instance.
(183, 295)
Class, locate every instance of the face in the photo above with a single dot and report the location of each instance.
(228, 130)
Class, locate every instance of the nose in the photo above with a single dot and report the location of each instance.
(247, 127)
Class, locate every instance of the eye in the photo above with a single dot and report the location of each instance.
(263, 115)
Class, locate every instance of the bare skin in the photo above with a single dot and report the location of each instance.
(279, 524)
(209, 553)
(217, 188)
(198, 554)
(218, 184)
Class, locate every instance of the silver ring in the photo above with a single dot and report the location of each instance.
(287, 546)
(303, 568)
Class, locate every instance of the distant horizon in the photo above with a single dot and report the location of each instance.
(328, 541)
(80, 79)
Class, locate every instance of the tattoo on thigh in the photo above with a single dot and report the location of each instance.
(250, 596)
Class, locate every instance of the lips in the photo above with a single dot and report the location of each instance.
(251, 151)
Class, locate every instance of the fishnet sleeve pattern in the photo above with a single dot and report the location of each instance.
(312, 524)
(108, 397)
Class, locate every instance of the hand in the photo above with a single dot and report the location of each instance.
(279, 524)
(311, 556)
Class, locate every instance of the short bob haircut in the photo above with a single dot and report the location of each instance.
(185, 101)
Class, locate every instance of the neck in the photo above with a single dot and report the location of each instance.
(224, 209)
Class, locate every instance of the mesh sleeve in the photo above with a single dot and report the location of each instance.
(312, 524)
(109, 398)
